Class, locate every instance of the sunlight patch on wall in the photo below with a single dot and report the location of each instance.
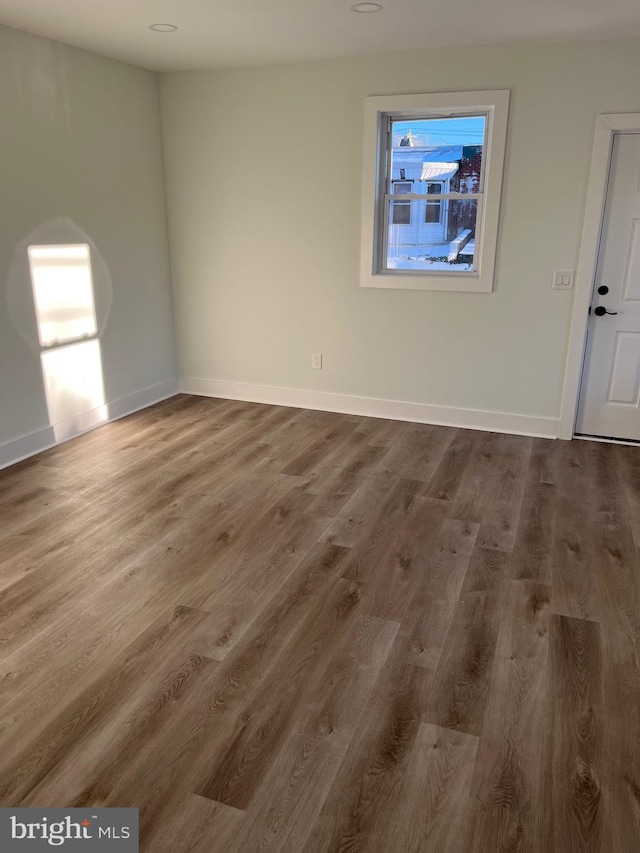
(74, 388)
(67, 329)
(63, 293)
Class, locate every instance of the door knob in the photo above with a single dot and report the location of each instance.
(603, 290)
(600, 311)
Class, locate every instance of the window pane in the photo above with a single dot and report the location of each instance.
(447, 243)
(401, 213)
(432, 212)
(445, 150)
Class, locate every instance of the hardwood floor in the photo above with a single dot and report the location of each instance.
(275, 630)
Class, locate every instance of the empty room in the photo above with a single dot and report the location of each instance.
(320, 426)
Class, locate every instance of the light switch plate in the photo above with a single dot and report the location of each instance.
(563, 279)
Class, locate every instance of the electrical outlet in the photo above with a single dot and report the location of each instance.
(563, 279)
(316, 360)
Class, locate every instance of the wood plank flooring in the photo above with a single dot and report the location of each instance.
(274, 630)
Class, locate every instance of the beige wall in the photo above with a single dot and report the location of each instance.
(263, 169)
(80, 149)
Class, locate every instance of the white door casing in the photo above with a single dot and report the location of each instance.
(610, 391)
(607, 125)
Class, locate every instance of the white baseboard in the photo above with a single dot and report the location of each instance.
(373, 407)
(25, 446)
(42, 439)
(143, 399)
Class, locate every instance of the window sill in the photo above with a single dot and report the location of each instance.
(471, 283)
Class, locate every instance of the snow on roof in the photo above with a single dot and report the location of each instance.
(433, 154)
(437, 170)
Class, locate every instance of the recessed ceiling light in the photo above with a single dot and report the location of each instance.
(366, 7)
(163, 28)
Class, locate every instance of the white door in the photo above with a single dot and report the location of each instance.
(610, 392)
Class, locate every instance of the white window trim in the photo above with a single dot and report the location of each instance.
(496, 104)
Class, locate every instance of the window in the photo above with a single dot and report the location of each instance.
(444, 154)
(433, 209)
(401, 214)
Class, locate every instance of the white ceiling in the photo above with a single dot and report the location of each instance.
(218, 33)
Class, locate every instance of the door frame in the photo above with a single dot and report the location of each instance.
(607, 125)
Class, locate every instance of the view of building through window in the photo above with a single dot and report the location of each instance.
(436, 165)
